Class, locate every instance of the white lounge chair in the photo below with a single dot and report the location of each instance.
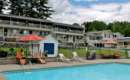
(76, 57)
(63, 58)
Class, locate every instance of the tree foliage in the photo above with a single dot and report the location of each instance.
(30, 8)
(1, 5)
(122, 27)
(95, 25)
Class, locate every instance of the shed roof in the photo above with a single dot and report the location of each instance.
(49, 39)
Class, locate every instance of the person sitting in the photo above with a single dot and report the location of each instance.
(41, 58)
(116, 55)
(37, 57)
(19, 57)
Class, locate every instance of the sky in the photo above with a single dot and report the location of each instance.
(79, 11)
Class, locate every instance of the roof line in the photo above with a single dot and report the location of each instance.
(40, 20)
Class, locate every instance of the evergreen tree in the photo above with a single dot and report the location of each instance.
(1, 5)
(95, 26)
(121, 27)
(30, 8)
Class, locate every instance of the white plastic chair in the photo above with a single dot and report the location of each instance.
(63, 58)
(75, 54)
(76, 57)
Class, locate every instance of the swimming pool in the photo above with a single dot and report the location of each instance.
(110, 71)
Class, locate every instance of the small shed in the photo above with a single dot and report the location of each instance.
(49, 46)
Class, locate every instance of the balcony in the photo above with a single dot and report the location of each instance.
(23, 24)
(4, 22)
(46, 26)
(58, 30)
(33, 26)
(18, 23)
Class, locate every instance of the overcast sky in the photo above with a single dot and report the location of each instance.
(78, 11)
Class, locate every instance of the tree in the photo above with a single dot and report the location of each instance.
(126, 30)
(95, 26)
(31, 8)
(122, 27)
(17, 7)
(87, 26)
(1, 6)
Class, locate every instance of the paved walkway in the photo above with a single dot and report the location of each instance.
(10, 67)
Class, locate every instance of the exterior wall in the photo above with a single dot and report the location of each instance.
(122, 45)
(96, 38)
(128, 45)
(123, 42)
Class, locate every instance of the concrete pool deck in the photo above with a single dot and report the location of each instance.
(11, 67)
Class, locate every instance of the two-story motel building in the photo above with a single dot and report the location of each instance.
(12, 27)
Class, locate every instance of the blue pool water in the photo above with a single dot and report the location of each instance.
(111, 71)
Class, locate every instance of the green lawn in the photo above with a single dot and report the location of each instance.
(82, 52)
(68, 52)
(111, 51)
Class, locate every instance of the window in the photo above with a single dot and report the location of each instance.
(30, 32)
(1, 39)
(1, 32)
(79, 37)
(21, 32)
(25, 32)
(125, 43)
(45, 33)
(114, 36)
(105, 35)
(40, 33)
(91, 38)
(109, 35)
(14, 32)
(5, 31)
(98, 38)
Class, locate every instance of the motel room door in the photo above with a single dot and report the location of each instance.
(49, 48)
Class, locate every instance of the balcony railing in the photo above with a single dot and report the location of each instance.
(46, 26)
(4, 22)
(18, 23)
(39, 26)
(70, 31)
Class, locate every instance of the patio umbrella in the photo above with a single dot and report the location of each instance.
(30, 38)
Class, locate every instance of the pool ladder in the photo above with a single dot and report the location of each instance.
(26, 71)
(29, 67)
